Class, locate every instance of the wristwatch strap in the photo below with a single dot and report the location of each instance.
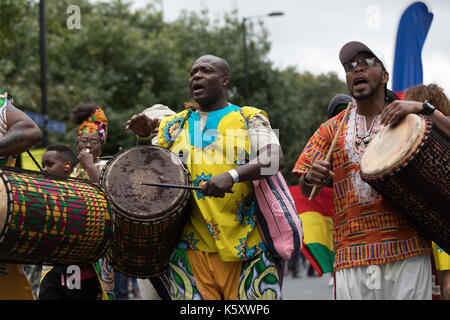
(428, 108)
(234, 175)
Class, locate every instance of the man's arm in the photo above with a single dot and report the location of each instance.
(305, 187)
(442, 122)
(400, 108)
(142, 126)
(319, 174)
(269, 161)
(311, 167)
(22, 132)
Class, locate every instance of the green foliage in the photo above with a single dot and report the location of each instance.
(298, 110)
(127, 60)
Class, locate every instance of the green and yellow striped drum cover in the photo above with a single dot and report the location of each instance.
(51, 220)
(148, 221)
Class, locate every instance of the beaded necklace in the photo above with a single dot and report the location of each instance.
(366, 138)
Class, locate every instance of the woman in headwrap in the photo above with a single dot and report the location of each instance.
(91, 137)
(97, 281)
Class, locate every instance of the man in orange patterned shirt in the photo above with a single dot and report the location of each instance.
(379, 254)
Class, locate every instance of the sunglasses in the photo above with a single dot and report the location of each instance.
(364, 62)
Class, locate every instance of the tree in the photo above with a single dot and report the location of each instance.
(126, 61)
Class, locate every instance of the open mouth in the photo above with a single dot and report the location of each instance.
(197, 88)
(359, 83)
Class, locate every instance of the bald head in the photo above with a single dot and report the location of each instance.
(208, 80)
(220, 63)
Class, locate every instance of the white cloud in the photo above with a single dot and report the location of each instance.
(311, 33)
(436, 69)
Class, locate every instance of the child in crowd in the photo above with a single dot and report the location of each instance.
(60, 160)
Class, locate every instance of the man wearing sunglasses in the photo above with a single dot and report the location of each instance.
(378, 253)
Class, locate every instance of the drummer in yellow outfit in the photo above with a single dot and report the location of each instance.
(221, 254)
(17, 134)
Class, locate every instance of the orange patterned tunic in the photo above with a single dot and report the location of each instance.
(367, 228)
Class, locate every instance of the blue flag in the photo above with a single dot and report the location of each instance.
(412, 32)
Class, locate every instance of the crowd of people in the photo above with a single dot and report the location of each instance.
(221, 253)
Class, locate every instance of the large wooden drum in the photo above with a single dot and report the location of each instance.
(148, 221)
(408, 164)
(49, 219)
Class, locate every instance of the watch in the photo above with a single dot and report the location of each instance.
(234, 175)
(428, 108)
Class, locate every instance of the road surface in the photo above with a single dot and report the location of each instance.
(307, 288)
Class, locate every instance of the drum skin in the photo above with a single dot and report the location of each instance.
(148, 221)
(417, 179)
(49, 219)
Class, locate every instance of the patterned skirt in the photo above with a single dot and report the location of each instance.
(258, 280)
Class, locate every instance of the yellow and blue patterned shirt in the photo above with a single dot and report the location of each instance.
(224, 225)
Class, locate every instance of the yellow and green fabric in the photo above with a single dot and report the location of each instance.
(96, 123)
(441, 258)
(4, 98)
(14, 284)
(27, 162)
(224, 225)
(317, 222)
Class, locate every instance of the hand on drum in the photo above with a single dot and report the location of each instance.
(320, 172)
(141, 125)
(398, 109)
(218, 185)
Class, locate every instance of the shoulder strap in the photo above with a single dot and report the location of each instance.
(34, 160)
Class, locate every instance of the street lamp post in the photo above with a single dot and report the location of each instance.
(43, 56)
(244, 37)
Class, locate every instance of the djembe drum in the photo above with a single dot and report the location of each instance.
(49, 219)
(408, 164)
(148, 221)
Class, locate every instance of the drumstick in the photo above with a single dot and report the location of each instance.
(168, 185)
(330, 151)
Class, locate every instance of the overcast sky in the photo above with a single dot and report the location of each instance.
(311, 33)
